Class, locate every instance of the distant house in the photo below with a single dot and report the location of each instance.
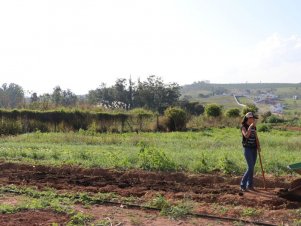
(266, 98)
(295, 97)
(278, 108)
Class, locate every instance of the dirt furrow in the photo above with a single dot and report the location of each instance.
(200, 187)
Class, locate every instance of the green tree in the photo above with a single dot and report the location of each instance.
(11, 96)
(103, 95)
(56, 96)
(151, 94)
(155, 95)
(34, 98)
(122, 93)
(68, 98)
(63, 97)
(45, 101)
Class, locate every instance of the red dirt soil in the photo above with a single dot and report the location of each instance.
(203, 188)
(31, 218)
(115, 215)
(206, 188)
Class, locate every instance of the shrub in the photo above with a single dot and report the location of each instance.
(154, 159)
(228, 166)
(263, 128)
(10, 127)
(233, 113)
(142, 115)
(193, 108)
(265, 116)
(141, 112)
(175, 211)
(162, 124)
(80, 219)
(177, 118)
(213, 110)
(201, 165)
(274, 119)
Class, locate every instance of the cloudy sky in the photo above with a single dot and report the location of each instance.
(79, 44)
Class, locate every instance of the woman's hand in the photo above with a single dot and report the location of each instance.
(253, 124)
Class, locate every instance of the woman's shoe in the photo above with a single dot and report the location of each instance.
(243, 189)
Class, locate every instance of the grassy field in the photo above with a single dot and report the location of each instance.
(212, 149)
(225, 101)
(245, 100)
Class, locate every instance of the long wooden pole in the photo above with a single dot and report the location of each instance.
(259, 150)
(262, 171)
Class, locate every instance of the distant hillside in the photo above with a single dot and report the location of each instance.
(288, 95)
(201, 89)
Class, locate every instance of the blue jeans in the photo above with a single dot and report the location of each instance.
(250, 156)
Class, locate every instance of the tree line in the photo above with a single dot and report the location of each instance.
(152, 94)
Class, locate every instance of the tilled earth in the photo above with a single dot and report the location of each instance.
(33, 217)
(202, 188)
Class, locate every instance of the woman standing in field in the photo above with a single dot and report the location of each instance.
(251, 145)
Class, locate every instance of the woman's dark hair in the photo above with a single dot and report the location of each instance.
(244, 120)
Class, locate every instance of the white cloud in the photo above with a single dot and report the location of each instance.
(275, 59)
(276, 50)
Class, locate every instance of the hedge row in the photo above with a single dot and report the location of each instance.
(73, 120)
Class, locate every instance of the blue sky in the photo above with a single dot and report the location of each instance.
(80, 44)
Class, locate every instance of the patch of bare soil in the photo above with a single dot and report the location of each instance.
(31, 218)
(202, 188)
(10, 199)
(116, 215)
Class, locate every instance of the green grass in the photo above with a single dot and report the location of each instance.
(250, 212)
(33, 199)
(292, 107)
(178, 151)
(175, 210)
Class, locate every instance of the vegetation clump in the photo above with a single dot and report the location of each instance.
(154, 159)
(213, 110)
(177, 118)
(233, 113)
